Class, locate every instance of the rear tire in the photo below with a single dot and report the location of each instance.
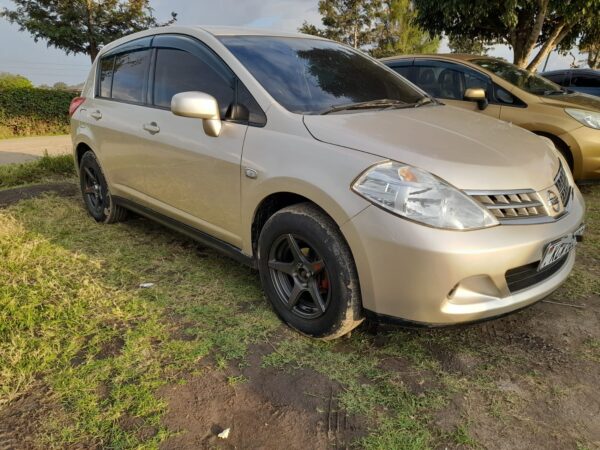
(308, 273)
(96, 194)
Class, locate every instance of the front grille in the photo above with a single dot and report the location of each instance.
(562, 185)
(512, 205)
(525, 205)
(528, 275)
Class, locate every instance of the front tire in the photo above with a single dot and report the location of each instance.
(308, 273)
(96, 194)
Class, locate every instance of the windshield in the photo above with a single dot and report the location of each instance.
(534, 84)
(311, 76)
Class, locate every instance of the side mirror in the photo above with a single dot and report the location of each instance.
(199, 105)
(477, 95)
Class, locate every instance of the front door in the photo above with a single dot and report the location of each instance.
(189, 175)
(448, 82)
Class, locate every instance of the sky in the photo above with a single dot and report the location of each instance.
(43, 65)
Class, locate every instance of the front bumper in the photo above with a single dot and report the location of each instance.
(438, 277)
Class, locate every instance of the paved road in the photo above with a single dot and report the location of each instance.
(20, 150)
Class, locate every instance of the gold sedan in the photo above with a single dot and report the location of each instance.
(503, 91)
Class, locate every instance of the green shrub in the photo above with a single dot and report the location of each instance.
(47, 168)
(10, 81)
(34, 112)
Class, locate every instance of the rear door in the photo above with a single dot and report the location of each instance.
(449, 81)
(118, 106)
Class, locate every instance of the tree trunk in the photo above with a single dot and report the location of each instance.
(92, 44)
(523, 38)
(594, 58)
(559, 33)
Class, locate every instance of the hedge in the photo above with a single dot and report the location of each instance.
(34, 112)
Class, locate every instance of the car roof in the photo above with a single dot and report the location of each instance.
(248, 31)
(590, 71)
(445, 56)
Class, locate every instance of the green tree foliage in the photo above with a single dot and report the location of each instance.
(10, 81)
(383, 27)
(81, 26)
(347, 21)
(396, 32)
(461, 44)
(590, 42)
(60, 85)
(525, 25)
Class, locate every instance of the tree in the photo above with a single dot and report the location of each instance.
(10, 81)
(522, 24)
(590, 42)
(460, 44)
(81, 26)
(60, 86)
(347, 21)
(396, 32)
(383, 27)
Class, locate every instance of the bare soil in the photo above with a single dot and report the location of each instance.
(268, 409)
(11, 196)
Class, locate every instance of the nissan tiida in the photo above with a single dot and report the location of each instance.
(353, 192)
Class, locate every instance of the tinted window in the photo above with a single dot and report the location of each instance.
(106, 76)
(448, 81)
(534, 84)
(312, 75)
(179, 71)
(558, 78)
(257, 116)
(403, 70)
(129, 77)
(585, 81)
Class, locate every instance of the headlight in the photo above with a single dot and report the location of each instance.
(588, 118)
(420, 196)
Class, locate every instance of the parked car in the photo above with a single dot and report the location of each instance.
(353, 196)
(503, 91)
(580, 80)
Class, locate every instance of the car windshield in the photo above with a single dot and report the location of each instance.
(314, 76)
(532, 83)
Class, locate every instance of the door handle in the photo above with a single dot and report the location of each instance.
(152, 127)
(96, 115)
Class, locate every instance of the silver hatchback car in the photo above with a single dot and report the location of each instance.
(352, 191)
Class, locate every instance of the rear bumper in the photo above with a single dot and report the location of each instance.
(437, 277)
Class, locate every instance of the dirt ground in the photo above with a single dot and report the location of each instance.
(530, 380)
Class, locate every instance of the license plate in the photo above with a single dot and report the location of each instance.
(561, 247)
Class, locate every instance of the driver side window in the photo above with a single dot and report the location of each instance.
(448, 81)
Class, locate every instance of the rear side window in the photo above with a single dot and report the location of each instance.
(585, 81)
(130, 75)
(106, 76)
(179, 71)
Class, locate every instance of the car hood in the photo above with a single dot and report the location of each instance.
(575, 100)
(469, 150)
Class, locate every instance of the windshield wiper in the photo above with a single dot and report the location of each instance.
(382, 103)
(556, 92)
(424, 101)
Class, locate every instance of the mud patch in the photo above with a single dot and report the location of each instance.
(270, 409)
(12, 196)
(21, 419)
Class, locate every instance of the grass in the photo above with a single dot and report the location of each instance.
(45, 169)
(74, 318)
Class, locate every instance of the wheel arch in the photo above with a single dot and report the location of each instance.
(562, 147)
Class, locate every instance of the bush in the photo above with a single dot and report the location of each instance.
(47, 168)
(34, 112)
(10, 81)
